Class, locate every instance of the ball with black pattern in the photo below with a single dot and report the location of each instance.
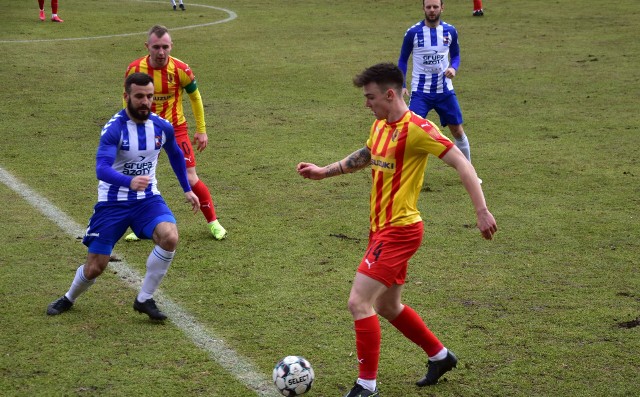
(293, 376)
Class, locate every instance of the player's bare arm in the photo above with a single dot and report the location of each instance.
(357, 160)
(193, 200)
(466, 171)
(200, 139)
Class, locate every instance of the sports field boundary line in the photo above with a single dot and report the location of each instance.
(238, 366)
(231, 16)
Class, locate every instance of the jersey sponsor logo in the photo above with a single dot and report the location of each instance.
(138, 168)
(125, 144)
(432, 58)
(158, 98)
(383, 165)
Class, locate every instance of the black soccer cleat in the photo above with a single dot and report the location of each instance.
(478, 13)
(435, 369)
(175, 7)
(182, 7)
(149, 308)
(359, 391)
(59, 306)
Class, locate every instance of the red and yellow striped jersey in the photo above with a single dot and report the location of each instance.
(169, 83)
(399, 153)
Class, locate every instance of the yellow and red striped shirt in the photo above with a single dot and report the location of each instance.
(399, 153)
(169, 82)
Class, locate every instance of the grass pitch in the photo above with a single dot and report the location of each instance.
(549, 93)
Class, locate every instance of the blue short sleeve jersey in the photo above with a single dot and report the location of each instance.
(434, 50)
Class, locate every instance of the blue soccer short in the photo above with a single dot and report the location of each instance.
(110, 221)
(446, 105)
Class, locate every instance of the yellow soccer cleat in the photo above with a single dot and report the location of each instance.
(131, 237)
(217, 230)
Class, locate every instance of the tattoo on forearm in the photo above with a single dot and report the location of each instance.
(333, 170)
(354, 162)
(358, 159)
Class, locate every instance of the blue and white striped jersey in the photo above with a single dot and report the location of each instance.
(434, 49)
(128, 149)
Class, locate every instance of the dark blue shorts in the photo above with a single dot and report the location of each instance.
(110, 221)
(446, 105)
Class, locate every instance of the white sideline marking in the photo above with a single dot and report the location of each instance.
(240, 367)
(231, 17)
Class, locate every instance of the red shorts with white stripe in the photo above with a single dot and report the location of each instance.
(389, 251)
(183, 140)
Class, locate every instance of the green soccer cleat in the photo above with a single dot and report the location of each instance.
(131, 237)
(217, 230)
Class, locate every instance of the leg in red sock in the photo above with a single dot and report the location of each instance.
(206, 203)
(411, 325)
(368, 337)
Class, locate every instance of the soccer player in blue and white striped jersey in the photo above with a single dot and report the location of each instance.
(128, 196)
(436, 58)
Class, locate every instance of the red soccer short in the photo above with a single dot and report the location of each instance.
(389, 251)
(182, 138)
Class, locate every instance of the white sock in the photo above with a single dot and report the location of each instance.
(79, 285)
(158, 263)
(463, 145)
(173, 3)
(369, 384)
(441, 355)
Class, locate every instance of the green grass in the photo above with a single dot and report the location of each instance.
(549, 92)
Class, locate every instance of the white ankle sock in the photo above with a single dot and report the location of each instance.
(369, 384)
(441, 355)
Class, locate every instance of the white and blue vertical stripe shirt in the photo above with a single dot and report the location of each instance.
(434, 50)
(128, 149)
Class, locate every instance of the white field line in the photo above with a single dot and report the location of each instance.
(240, 367)
(231, 16)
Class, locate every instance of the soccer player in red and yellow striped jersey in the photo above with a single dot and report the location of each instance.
(397, 150)
(172, 78)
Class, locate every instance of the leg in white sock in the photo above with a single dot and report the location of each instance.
(79, 285)
(157, 265)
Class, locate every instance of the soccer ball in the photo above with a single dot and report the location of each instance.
(293, 376)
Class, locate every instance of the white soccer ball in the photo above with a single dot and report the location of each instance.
(293, 376)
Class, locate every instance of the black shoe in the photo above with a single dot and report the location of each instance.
(359, 391)
(59, 306)
(182, 7)
(478, 13)
(175, 7)
(435, 369)
(149, 307)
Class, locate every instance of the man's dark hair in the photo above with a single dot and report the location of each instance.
(137, 78)
(386, 75)
(158, 31)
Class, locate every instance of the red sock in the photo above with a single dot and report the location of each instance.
(206, 203)
(477, 5)
(54, 6)
(41, 4)
(368, 337)
(411, 325)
